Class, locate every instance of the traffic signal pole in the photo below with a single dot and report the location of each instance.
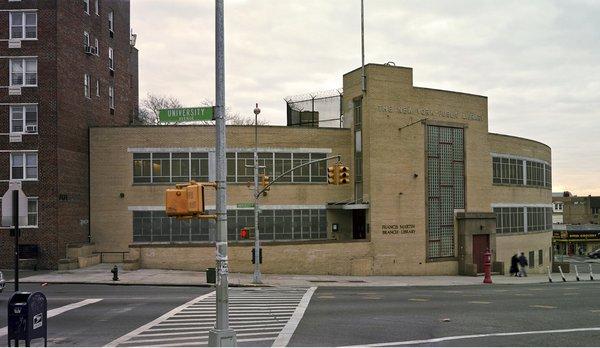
(256, 278)
(221, 335)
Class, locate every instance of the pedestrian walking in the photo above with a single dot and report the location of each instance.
(522, 265)
(514, 265)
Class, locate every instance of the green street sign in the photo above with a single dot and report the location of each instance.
(245, 205)
(204, 113)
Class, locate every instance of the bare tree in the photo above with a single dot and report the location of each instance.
(153, 103)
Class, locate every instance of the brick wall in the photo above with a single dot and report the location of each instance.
(65, 114)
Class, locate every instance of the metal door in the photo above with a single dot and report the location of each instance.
(480, 243)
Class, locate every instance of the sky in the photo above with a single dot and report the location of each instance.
(538, 62)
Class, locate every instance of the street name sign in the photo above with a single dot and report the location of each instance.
(245, 205)
(7, 206)
(204, 113)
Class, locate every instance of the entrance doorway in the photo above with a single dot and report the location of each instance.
(359, 222)
(481, 242)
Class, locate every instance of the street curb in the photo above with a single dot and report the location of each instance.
(117, 283)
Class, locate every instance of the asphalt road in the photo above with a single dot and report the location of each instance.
(335, 316)
(360, 316)
(120, 310)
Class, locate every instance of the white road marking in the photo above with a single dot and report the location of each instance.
(155, 321)
(60, 310)
(286, 334)
(257, 316)
(463, 337)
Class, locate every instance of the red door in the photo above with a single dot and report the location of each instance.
(480, 243)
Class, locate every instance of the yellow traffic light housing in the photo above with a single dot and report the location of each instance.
(332, 175)
(343, 174)
(185, 201)
(264, 181)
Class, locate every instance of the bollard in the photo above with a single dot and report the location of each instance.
(576, 273)
(115, 272)
(562, 274)
(591, 273)
(549, 275)
(487, 267)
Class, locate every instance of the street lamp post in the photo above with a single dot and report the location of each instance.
(256, 278)
(221, 335)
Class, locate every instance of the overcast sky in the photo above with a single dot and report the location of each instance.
(537, 61)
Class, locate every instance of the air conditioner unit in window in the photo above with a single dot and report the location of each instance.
(87, 49)
(31, 128)
(94, 50)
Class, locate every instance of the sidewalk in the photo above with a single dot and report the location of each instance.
(100, 274)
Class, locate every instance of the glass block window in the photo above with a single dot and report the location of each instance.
(445, 170)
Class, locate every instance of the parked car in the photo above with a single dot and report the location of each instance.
(594, 254)
(2, 282)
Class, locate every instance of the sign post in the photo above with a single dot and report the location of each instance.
(205, 113)
(14, 213)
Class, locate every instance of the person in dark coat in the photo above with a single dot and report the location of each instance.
(514, 265)
(523, 265)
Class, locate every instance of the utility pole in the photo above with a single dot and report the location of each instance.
(256, 279)
(221, 335)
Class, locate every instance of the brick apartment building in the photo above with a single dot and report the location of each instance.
(65, 65)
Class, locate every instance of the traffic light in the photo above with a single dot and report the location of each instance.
(185, 200)
(343, 174)
(264, 181)
(332, 175)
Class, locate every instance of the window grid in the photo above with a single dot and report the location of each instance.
(523, 219)
(22, 116)
(23, 72)
(24, 166)
(23, 25)
(274, 225)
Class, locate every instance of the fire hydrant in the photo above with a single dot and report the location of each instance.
(487, 267)
(115, 272)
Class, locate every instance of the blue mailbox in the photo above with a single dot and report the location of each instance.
(27, 318)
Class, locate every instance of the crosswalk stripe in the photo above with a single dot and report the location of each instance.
(257, 316)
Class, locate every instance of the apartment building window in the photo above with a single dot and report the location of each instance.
(111, 23)
(23, 72)
(24, 166)
(97, 7)
(23, 25)
(111, 63)
(87, 85)
(111, 98)
(23, 118)
(595, 210)
(86, 39)
(97, 87)
(86, 6)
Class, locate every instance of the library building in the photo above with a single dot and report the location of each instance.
(431, 189)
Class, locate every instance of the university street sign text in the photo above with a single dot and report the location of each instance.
(204, 113)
